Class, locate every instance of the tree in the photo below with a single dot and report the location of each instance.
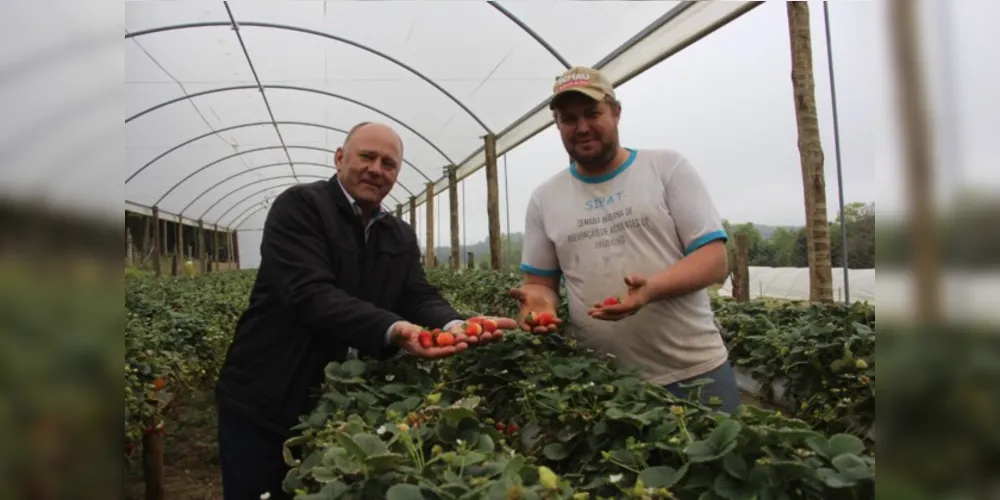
(811, 154)
(859, 219)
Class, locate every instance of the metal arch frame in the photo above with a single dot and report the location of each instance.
(300, 89)
(307, 31)
(251, 195)
(270, 165)
(260, 206)
(532, 33)
(254, 150)
(226, 129)
(258, 181)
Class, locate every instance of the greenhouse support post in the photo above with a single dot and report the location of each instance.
(836, 148)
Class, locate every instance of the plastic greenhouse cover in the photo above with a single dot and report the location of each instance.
(443, 74)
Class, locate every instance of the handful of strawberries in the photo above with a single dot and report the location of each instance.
(473, 327)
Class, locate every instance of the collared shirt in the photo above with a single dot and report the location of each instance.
(379, 213)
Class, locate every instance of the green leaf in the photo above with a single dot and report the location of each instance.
(556, 451)
(513, 468)
(334, 490)
(383, 463)
(353, 368)
(470, 458)
(485, 444)
(404, 492)
(660, 476)
(371, 444)
(841, 444)
(735, 465)
(723, 437)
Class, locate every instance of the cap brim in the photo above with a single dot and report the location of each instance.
(594, 94)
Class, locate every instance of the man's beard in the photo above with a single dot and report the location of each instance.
(600, 159)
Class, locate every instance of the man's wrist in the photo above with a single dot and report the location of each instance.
(388, 333)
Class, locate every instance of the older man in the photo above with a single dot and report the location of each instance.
(336, 273)
(634, 224)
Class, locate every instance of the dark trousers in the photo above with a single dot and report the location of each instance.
(251, 459)
(723, 387)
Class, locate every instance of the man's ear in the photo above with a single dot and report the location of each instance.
(338, 158)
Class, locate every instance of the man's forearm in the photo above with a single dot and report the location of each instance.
(695, 272)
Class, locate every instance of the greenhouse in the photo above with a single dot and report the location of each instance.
(230, 104)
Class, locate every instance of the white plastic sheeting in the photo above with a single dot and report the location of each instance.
(792, 283)
(326, 66)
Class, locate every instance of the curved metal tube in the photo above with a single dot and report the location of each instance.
(300, 89)
(260, 206)
(307, 31)
(239, 153)
(251, 195)
(538, 38)
(270, 165)
(258, 181)
(226, 129)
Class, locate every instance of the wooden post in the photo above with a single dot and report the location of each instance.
(129, 255)
(923, 231)
(157, 249)
(470, 260)
(430, 225)
(493, 199)
(810, 153)
(399, 211)
(152, 464)
(217, 247)
(413, 212)
(741, 268)
(453, 202)
(236, 250)
(200, 248)
(180, 239)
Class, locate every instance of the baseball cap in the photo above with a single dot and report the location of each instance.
(587, 81)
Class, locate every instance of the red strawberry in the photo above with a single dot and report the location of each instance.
(512, 428)
(501, 427)
(531, 319)
(445, 339)
(426, 341)
(546, 319)
(473, 329)
(612, 301)
(489, 326)
(478, 320)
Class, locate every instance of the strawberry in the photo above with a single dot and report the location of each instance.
(478, 320)
(546, 319)
(612, 301)
(489, 326)
(473, 329)
(159, 383)
(426, 341)
(445, 339)
(531, 319)
(501, 427)
(512, 428)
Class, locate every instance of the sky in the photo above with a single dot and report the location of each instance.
(725, 102)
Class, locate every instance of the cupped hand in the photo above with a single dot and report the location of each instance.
(406, 336)
(630, 304)
(534, 302)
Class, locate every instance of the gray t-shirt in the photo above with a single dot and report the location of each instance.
(640, 219)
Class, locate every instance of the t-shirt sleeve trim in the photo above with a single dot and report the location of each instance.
(540, 272)
(706, 239)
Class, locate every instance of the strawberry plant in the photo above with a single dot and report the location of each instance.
(408, 429)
